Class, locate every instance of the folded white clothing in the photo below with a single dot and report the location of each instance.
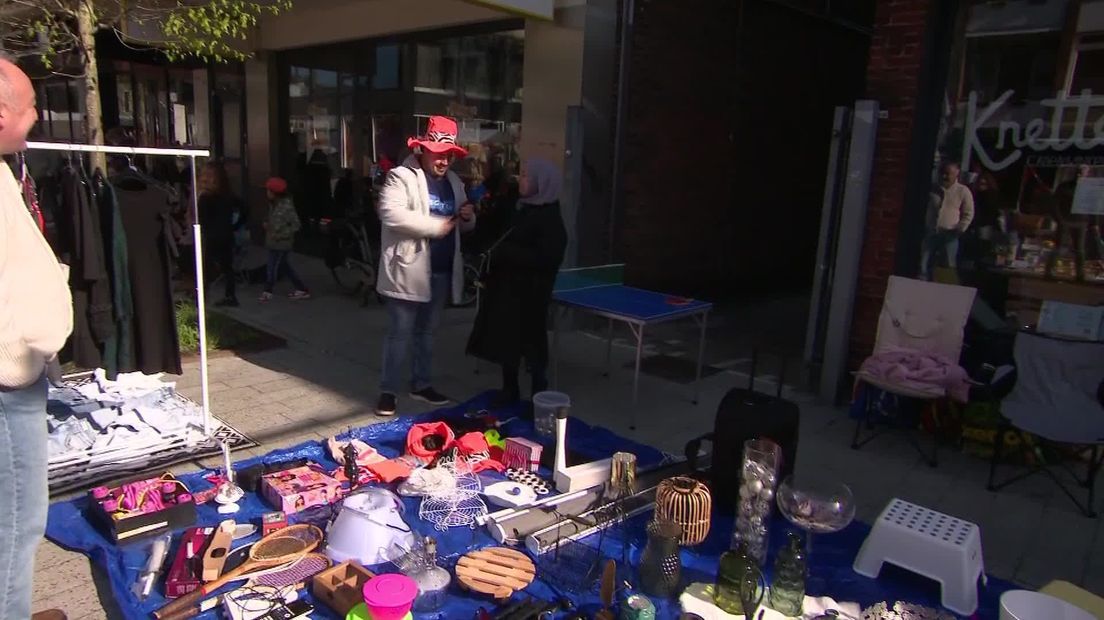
(103, 418)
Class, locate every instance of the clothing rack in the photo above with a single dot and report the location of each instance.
(198, 245)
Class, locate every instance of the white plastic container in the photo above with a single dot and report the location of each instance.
(545, 405)
(1028, 605)
(370, 521)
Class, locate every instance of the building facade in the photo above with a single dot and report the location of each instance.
(1008, 92)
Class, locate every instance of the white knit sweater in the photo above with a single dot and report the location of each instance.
(36, 309)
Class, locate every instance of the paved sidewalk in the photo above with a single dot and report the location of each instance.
(326, 379)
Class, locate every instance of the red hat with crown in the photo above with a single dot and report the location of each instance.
(440, 137)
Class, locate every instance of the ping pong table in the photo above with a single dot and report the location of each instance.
(599, 291)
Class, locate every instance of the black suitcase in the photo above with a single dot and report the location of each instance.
(746, 414)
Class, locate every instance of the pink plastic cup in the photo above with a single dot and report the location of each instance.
(390, 597)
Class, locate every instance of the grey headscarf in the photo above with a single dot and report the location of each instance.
(544, 182)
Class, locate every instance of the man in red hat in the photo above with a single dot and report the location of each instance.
(423, 209)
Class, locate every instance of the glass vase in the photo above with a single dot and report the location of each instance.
(758, 481)
(660, 565)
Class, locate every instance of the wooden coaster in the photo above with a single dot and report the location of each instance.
(497, 571)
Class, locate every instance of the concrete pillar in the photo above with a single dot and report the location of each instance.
(553, 77)
(262, 142)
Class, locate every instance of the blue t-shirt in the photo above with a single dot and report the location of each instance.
(442, 203)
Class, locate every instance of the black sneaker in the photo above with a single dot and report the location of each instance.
(431, 396)
(227, 302)
(386, 405)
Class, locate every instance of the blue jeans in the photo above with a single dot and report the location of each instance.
(23, 493)
(413, 321)
(939, 244)
(278, 263)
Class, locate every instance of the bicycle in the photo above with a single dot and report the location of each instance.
(351, 258)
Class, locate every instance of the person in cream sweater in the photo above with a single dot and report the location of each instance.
(36, 316)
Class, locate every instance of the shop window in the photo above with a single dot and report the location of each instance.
(1088, 71)
(386, 75)
(437, 66)
(476, 53)
(1035, 177)
(1022, 64)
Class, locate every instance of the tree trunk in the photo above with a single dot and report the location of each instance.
(93, 118)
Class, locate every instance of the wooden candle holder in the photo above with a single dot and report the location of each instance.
(687, 502)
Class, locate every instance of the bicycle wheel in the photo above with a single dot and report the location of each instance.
(346, 264)
(471, 286)
(348, 277)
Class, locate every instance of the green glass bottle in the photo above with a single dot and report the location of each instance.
(739, 588)
(787, 591)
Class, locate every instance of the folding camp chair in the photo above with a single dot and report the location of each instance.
(1057, 397)
(924, 316)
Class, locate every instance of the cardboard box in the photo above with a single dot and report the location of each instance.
(185, 574)
(522, 454)
(341, 587)
(300, 488)
(121, 527)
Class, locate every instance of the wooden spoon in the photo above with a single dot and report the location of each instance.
(609, 577)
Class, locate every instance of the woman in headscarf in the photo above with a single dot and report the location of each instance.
(512, 322)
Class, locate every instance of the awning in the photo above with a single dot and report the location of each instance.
(532, 9)
(1016, 17)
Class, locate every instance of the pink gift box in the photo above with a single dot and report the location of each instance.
(522, 454)
(300, 488)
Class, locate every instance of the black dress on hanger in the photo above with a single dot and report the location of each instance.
(151, 251)
(80, 243)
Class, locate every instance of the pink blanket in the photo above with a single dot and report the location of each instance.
(919, 370)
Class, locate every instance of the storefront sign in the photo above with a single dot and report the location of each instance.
(536, 9)
(1038, 134)
(1088, 198)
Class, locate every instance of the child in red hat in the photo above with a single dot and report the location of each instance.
(280, 227)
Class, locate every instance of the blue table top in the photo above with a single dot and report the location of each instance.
(629, 302)
(829, 566)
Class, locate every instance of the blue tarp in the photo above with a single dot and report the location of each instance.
(830, 565)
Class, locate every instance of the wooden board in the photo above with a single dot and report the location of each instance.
(497, 571)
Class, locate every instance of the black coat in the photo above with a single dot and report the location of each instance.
(512, 321)
(81, 246)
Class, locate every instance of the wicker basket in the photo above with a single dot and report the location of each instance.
(688, 503)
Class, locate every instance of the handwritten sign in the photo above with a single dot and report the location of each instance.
(1072, 320)
(1088, 198)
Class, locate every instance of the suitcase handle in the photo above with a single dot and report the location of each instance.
(691, 451)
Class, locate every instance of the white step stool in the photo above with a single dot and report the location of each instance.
(928, 543)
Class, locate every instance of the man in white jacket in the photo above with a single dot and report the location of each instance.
(420, 265)
(36, 316)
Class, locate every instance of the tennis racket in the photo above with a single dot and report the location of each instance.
(281, 547)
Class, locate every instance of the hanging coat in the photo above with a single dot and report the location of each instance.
(146, 216)
(80, 242)
(118, 350)
(512, 321)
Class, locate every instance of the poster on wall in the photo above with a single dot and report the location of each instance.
(1088, 198)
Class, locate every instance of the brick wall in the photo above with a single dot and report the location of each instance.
(893, 78)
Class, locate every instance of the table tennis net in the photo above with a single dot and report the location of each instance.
(590, 277)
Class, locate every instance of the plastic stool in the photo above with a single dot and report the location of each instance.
(928, 543)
